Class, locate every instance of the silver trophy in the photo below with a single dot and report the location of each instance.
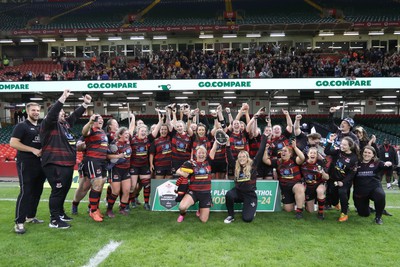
(221, 137)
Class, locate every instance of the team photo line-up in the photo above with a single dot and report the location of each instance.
(185, 146)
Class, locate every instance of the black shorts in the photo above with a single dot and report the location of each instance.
(311, 191)
(231, 170)
(176, 164)
(204, 199)
(264, 171)
(287, 193)
(145, 170)
(94, 168)
(119, 175)
(165, 170)
(387, 171)
(218, 166)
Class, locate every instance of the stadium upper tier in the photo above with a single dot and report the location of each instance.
(182, 65)
(113, 14)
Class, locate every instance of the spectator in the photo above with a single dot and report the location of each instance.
(388, 153)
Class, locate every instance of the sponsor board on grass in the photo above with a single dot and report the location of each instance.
(163, 196)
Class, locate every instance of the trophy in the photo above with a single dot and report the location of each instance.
(221, 137)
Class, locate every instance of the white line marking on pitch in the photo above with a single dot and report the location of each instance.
(103, 254)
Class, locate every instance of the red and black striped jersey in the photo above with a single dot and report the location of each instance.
(96, 145)
(125, 148)
(288, 171)
(161, 148)
(140, 151)
(220, 153)
(238, 142)
(57, 139)
(181, 146)
(254, 144)
(200, 141)
(278, 143)
(311, 172)
(200, 180)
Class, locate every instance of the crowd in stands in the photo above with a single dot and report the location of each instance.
(264, 62)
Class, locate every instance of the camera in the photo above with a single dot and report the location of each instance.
(96, 119)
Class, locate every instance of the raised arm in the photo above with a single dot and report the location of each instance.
(266, 159)
(240, 113)
(297, 120)
(329, 142)
(132, 124)
(203, 119)
(188, 128)
(87, 99)
(247, 115)
(213, 150)
(300, 155)
(260, 153)
(52, 116)
(289, 123)
(230, 117)
(168, 120)
(331, 122)
(156, 129)
(174, 119)
(86, 128)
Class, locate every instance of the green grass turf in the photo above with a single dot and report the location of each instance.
(156, 239)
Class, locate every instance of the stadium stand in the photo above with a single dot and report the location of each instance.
(113, 14)
(261, 64)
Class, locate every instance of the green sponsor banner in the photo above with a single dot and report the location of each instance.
(163, 196)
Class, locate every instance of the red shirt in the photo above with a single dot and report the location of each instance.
(96, 145)
(140, 151)
(200, 180)
(161, 148)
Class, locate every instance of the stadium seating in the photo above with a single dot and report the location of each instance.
(111, 14)
(7, 153)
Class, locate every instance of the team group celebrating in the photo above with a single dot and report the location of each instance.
(183, 145)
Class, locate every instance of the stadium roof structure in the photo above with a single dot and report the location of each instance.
(180, 18)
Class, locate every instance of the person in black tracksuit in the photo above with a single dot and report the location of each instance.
(367, 185)
(341, 172)
(245, 177)
(25, 138)
(59, 156)
(387, 152)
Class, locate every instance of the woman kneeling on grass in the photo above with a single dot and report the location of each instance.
(199, 187)
(314, 175)
(289, 176)
(367, 185)
(245, 177)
